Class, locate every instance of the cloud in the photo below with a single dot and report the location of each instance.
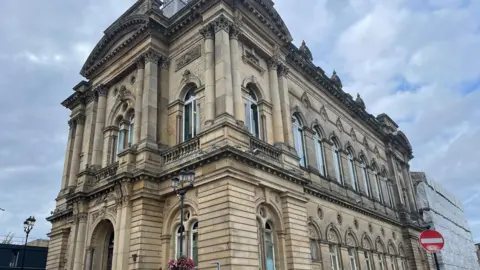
(415, 60)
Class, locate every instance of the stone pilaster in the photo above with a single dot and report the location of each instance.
(89, 131)
(297, 243)
(310, 149)
(278, 132)
(57, 248)
(148, 135)
(223, 68)
(78, 260)
(79, 121)
(285, 105)
(68, 156)
(163, 103)
(137, 128)
(207, 33)
(89, 258)
(237, 88)
(99, 125)
(124, 207)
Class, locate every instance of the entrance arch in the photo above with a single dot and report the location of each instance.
(102, 244)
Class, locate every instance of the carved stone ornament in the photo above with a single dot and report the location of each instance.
(101, 90)
(336, 80)
(370, 227)
(235, 31)
(366, 243)
(263, 212)
(306, 101)
(339, 125)
(350, 240)
(355, 223)
(365, 143)
(305, 51)
(283, 70)
(353, 135)
(394, 235)
(189, 57)
(140, 62)
(332, 236)
(375, 150)
(100, 213)
(323, 113)
(272, 63)
(320, 213)
(79, 119)
(360, 102)
(339, 218)
(124, 92)
(207, 32)
(164, 63)
(382, 231)
(311, 232)
(152, 56)
(221, 23)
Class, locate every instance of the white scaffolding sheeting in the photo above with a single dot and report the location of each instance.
(170, 7)
(446, 214)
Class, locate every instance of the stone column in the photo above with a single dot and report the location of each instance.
(163, 104)
(88, 260)
(99, 125)
(123, 239)
(223, 68)
(410, 190)
(237, 87)
(68, 156)
(207, 34)
(79, 121)
(80, 242)
(276, 105)
(148, 134)
(285, 105)
(137, 128)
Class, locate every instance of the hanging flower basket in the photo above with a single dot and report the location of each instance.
(182, 263)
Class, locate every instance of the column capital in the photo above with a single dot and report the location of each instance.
(152, 56)
(81, 217)
(140, 62)
(101, 90)
(272, 63)
(235, 31)
(221, 23)
(79, 119)
(283, 70)
(71, 123)
(207, 32)
(164, 63)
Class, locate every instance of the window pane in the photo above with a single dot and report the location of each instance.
(121, 138)
(298, 137)
(319, 155)
(248, 114)
(254, 121)
(269, 251)
(194, 248)
(196, 116)
(187, 122)
(130, 134)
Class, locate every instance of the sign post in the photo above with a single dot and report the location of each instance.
(432, 241)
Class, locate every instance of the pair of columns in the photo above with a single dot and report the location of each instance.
(223, 90)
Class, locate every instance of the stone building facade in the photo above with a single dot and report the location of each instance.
(291, 172)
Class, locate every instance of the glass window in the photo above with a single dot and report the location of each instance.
(378, 185)
(190, 116)
(367, 260)
(394, 263)
(251, 114)
(352, 258)
(130, 130)
(269, 248)
(14, 258)
(352, 170)
(337, 161)
(320, 153)
(314, 250)
(380, 262)
(334, 257)
(299, 141)
(114, 152)
(194, 243)
(121, 139)
(366, 179)
(177, 243)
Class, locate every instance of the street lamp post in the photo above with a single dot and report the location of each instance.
(181, 184)
(27, 227)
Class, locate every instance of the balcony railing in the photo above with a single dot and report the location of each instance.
(181, 150)
(264, 148)
(106, 172)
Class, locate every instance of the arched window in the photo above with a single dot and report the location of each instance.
(352, 170)
(130, 130)
(191, 117)
(334, 249)
(314, 248)
(368, 259)
(381, 261)
(334, 260)
(122, 140)
(320, 153)
(352, 258)
(177, 243)
(194, 243)
(299, 140)
(378, 184)
(251, 114)
(110, 251)
(393, 261)
(337, 160)
(366, 179)
(391, 200)
(269, 245)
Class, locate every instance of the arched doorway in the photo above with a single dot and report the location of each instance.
(103, 241)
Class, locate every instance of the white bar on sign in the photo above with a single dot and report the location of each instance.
(432, 241)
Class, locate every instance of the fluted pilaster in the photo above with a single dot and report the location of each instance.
(139, 99)
(276, 105)
(239, 107)
(207, 33)
(68, 155)
(79, 122)
(148, 135)
(223, 68)
(98, 141)
(285, 105)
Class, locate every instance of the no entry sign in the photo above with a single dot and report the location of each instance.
(431, 240)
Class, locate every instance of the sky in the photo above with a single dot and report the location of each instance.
(418, 61)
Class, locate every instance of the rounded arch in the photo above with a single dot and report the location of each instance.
(297, 115)
(93, 228)
(401, 251)
(373, 165)
(392, 250)
(350, 148)
(251, 83)
(117, 110)
(170, 217)
(268, 212)
(351, 238)
(102, 240)
(318, 129)
(363, 158)
(188, 82)
(404, 140)
(384, 171)
(314, 231)
(333, 234)
(336, 141)
(379, 245)
(367, 242)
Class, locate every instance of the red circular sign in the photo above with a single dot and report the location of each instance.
(431, 240)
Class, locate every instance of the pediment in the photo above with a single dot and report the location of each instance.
(116, 37)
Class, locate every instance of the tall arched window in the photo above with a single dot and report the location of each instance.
(334, 260)
(130, 130)
(381, 261)
(269, 246)
(194, 243)
(251, 114)
(334, 249)
(319, 152)
(122, 138)
(299, 140)
(337, 160)
(191, 119)
(352, 170)
(314, 249)
(378, 184)
(110, 251)
(366, 179)
(368, 259)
